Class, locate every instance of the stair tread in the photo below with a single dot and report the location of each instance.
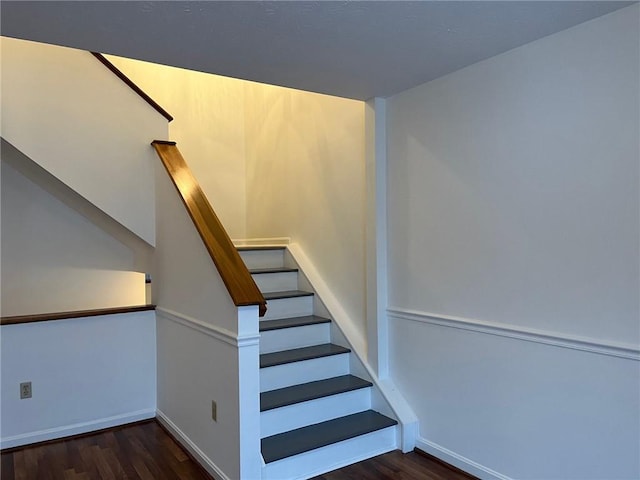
(285, 294)
(258, 271)
(310, 391)
(281, 323)
(300, 354)
(259, 247)
(294, 442)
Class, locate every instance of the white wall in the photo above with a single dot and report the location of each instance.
(57, 253)
(79, 382)
(513, 210)
(306, 180)
(64, 110)
(208, 127)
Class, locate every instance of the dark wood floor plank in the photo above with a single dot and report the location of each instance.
(88, 460)
(57, 456)
(142, 451)
(123, 455)
(175, 450)
(6, 466)
(117, 467)
(153, 465)
(76, 462)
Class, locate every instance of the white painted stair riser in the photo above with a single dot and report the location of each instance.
(314, 411)
(331, 457)
(276, 282)
(262, 258)
(289, 307)
(289, 374)
(294, 337)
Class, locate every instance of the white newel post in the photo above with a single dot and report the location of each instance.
(249, 392)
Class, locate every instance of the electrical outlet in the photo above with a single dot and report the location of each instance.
(214, 411)
(25, 390)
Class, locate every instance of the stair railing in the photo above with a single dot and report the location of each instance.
(234, 273)
(118, 73)
(231, 268)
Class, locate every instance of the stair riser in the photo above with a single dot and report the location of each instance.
(262, 258)
(289, 307)
(281, 376)
(296, 337)
(276, 282)
(331, 457)
(319, 410)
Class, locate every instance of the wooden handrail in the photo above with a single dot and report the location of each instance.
(118, 73)
(47, 317)
(225, 256)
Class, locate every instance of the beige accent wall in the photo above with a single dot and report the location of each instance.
(274, 162)
(306, 180)
(208, 127)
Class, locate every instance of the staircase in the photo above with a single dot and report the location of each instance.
(315, 416)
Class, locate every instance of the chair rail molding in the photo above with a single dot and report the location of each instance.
(546, 337)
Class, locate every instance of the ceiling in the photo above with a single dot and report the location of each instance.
(354, 49)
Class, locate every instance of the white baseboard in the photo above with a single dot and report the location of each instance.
(463, 463)
(75, 429)
(191, 447)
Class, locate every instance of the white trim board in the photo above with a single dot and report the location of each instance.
(376, 235)
(261, 242)
(402, 411)
(323, 291)
(186, 443)
(76, 428)
(219, 333)
(463, 463)
(546, 337)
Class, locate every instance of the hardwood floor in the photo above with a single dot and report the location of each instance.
(140, 451)
(398, 466)
(144, 451)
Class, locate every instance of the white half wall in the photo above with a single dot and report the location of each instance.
(55, 258)
(501, 407)
(186, 280)
(194, 369)
(199, 364)
(513, 201)
(207, 348)
(86, 373)
(67, 112)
